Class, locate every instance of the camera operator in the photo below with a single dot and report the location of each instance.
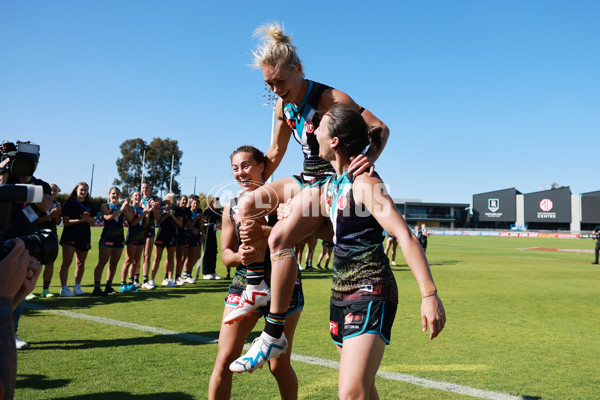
(596, 232)
(17, 167)
(18, 276)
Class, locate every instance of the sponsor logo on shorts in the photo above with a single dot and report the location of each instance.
(353, 318)
(233, 298)
(333, 328)
(366, 288)
(109, 243)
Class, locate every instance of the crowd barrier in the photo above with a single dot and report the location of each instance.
(556, 235)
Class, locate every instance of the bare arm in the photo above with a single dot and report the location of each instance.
(333, 97)
(178, 221)
(229, 254)
(281, 138)
(370, 192)
(45, 204)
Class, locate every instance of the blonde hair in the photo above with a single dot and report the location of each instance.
(172, 198)
(275, 49)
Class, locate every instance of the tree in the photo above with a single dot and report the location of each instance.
(129, 166)
(160, 154)
(157, 166)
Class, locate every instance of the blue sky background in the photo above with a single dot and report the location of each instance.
(478, 95)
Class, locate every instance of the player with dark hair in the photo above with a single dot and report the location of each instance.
(364, 294)
(78, 216)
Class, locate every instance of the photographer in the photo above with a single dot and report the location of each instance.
(50, 221)
(596, 232)
(18, 276)
(18, 164)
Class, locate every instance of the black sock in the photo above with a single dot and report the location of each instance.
(46, 285)
(145, 278)
(136, 278)
(274, 324)
(96, 285)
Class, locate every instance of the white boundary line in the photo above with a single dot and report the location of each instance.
(414, 380)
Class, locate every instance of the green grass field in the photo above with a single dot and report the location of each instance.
(520, 322)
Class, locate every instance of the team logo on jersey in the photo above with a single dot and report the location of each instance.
(342, 202)
(308, 126)
(333, 328)
(329, 200)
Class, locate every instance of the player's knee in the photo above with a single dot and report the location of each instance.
(246, 205)
(277, 239)
(350, 390)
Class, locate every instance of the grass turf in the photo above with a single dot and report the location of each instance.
(520, 322)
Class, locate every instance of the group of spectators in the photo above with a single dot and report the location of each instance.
(182, 230)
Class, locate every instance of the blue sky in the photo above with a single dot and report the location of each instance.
(478, 95)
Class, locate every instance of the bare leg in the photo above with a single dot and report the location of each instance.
(302, 221)
(115, 256)
(170, 262)
(103, 257)
(129, 256)
(181, 254)
(281, 367)
(157, 257)
(360, 360)
(81, 255)
(148, 255)
(48, 272)
(192, 259)
(67, 258)
(231, 344)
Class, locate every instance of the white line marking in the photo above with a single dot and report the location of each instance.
(427, 383)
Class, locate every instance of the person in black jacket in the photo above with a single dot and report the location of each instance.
(596, 231)
(209, 260)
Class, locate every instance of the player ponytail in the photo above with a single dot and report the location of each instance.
(276, 48)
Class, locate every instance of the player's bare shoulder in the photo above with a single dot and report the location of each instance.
(331, 96)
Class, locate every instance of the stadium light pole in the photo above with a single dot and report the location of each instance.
(92, 182)
(270, 100)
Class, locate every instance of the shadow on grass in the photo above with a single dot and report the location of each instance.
(129, 396)
(185, 339)
(444, 262)
(40, 382)
(87, 301)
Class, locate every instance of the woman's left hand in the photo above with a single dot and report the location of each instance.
(433, 314)
(360, 164)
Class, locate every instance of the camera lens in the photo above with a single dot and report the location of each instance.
(42, 245)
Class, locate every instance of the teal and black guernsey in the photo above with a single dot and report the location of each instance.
(303, 120)
(361, 270)
(113, 229)
(137, 232)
